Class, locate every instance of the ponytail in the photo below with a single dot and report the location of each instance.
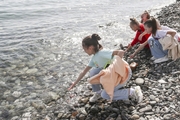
(152, 23)
(92, 40)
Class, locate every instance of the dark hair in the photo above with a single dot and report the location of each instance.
(151, 23)
(92, 40)
(148, 15)
(134, 21)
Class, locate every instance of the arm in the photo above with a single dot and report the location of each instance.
(120, 53)
(141, 35)
(172, 33)
(129, 47)
(81, 75)
(139, 48)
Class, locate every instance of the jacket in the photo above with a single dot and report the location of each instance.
(117, 73)
(172, 45)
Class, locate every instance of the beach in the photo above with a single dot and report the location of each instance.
(41, 55)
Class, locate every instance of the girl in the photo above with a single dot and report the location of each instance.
(100, 60)
(151, 27)
(144, 17)
(139, 29)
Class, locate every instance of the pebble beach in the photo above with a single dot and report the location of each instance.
(33, 97)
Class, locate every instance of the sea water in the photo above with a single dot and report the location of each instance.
(40, 40)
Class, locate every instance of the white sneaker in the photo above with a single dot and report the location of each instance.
(153, 58)
(137, 94)
(163, 59)
(95, 97)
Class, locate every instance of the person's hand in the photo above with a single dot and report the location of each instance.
(132, 55)
(127, 48)
(73, 84)
(140, 37)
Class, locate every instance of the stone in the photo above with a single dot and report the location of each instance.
(60, 115)
(83, 100)
(53, 95)
(39, 105)
(135, 117)
(26, 115)
(157, 99)
(133, 66)
(162, 81)
(149, 113)
(16, 94)
(152, 102)
(167, 116)
(81, 117)
(152, 97)
(32, 71)
(146, 109)
(94, 110)
(139, 81)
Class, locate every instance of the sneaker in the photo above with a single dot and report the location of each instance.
(163, 59)
(137, 94)
(95, 97)
(153, 58)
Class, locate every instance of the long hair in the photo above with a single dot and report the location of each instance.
(152, 23)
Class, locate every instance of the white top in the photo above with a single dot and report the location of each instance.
(162, 33)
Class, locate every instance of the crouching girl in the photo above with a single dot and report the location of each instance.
(111, 75)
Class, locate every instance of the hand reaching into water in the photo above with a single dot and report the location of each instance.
(73, 84)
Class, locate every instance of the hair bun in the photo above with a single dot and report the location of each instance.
(132, 19)
(95, 37)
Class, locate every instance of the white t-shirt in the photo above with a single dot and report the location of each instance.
(101, 58)
(162, 33)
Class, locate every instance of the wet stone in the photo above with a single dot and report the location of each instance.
(32, 71)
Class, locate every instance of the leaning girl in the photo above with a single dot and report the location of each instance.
(139, 29)
(100, 60)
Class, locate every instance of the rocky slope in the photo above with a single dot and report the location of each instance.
(170, 16)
